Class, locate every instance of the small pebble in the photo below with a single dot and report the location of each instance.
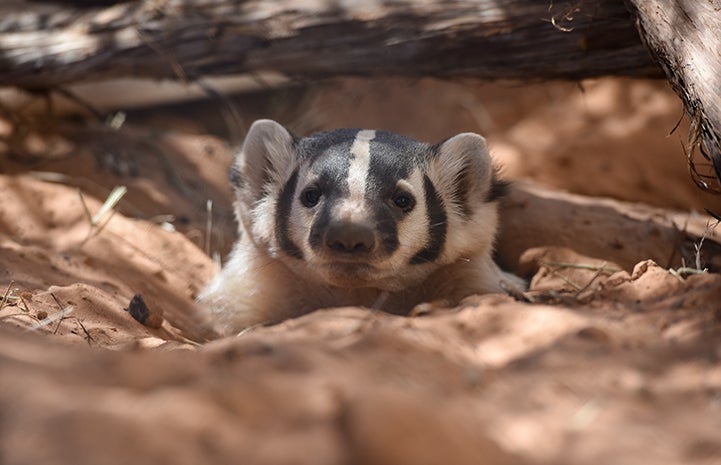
(142, 313)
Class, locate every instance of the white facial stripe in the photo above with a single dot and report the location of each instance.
(358, 170)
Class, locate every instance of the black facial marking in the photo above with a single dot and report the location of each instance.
(393, 157)
(320, 223)
(337, 142)
(436, 227)
(236, 178)
(329, 156)
(282, 213)
(387, 227)
(499, 188)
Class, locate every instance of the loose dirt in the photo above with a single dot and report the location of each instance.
(613, 356)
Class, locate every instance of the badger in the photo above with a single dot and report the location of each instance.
(356, 217)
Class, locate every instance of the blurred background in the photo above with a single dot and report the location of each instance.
(612, 137)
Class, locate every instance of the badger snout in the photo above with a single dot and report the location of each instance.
(349, 238)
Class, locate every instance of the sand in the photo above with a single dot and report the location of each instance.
(611, 357)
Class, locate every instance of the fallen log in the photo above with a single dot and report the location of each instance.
(47, 45)
(44, 45)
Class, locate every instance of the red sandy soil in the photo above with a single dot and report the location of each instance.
(611, 357)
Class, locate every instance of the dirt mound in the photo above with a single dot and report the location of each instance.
(611, 357)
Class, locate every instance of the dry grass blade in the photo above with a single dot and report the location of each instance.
(88, 337)
(107, 210)
(5, 296)
(52, 318)
(49, 176)
(110, 202)
(598, 273)
(699, 245)
(566, 280)
(603, 267)
(88, 215)
(208, 225)
(683, 271)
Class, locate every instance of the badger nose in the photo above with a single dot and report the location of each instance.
(349, 237)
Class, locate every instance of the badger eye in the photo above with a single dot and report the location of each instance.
(310, 197)
(404, 201)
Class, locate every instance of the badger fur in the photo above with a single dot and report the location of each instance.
(356, 217)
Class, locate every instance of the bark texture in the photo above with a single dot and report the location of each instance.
(49, 44)
(46, 45)
(685, 38)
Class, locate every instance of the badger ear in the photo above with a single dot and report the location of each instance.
(462, 172)
(267, 157)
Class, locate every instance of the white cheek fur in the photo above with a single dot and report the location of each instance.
(264, 220)
(413, 229)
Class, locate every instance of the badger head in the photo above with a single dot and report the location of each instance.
(363, 208)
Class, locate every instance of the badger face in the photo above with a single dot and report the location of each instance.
(363, 208)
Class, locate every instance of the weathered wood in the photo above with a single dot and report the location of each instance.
(685, 38)
(45, 45)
